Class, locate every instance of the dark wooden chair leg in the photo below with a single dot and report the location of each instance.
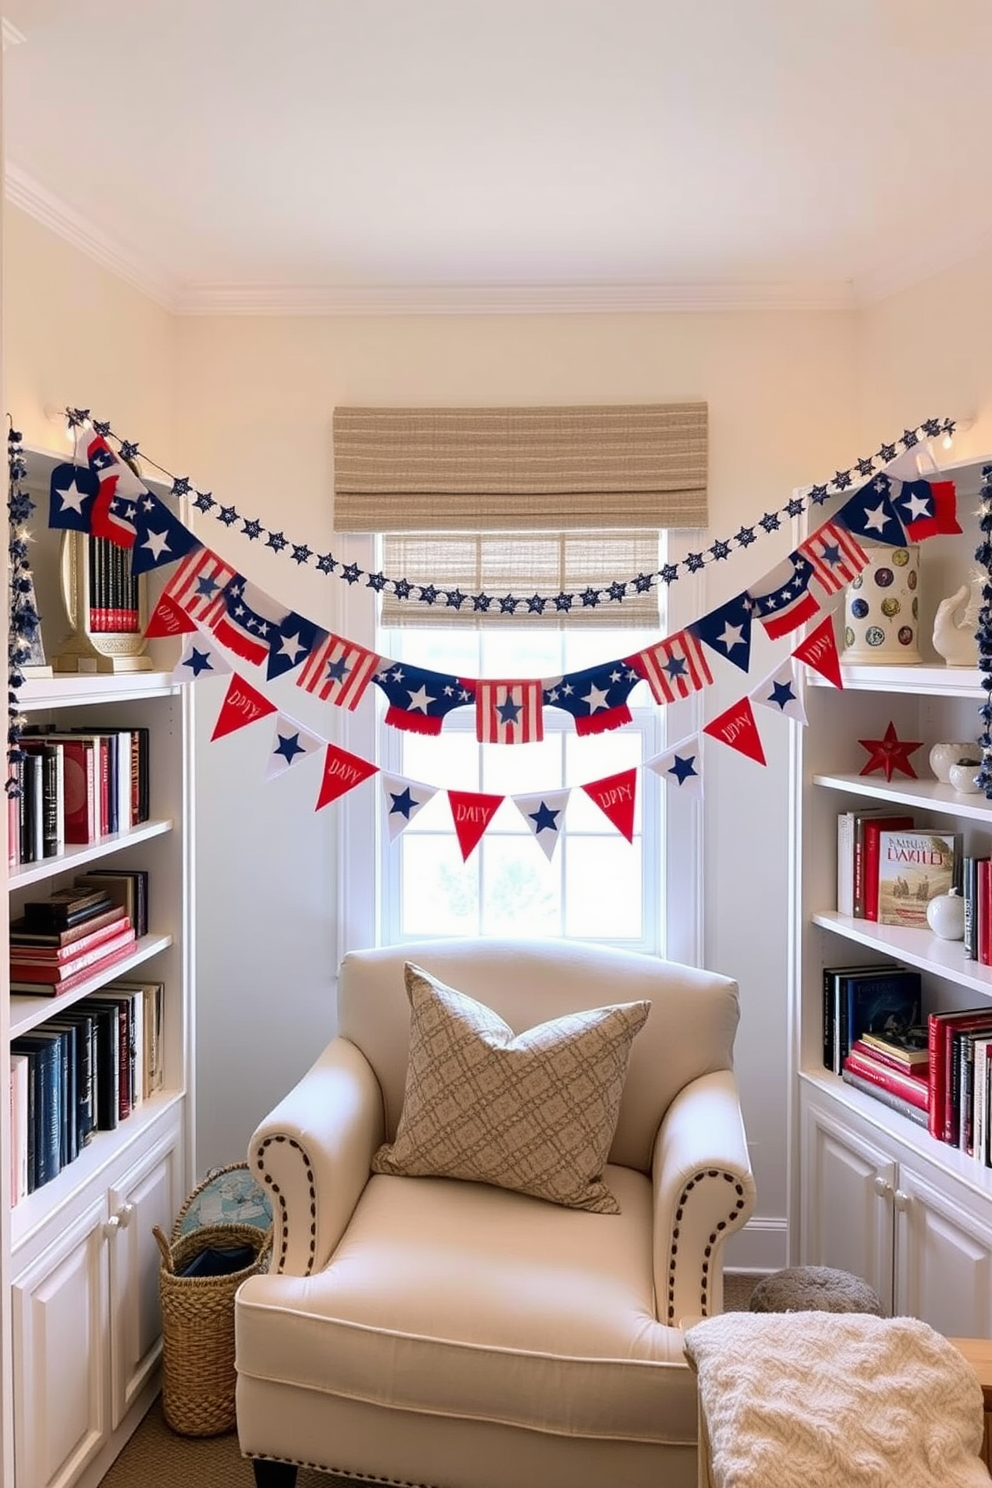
(273, 1474)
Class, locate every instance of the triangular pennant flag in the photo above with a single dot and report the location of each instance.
(201, 657)
(243, 704)
(291, 743)
(616, 797)
(681, 767)
(545, 816)
(342, 772)
(471, 812)
(819, 651)
(169, 619)
(736, 727)
(780, 691)
(727, 630)
(403, 798)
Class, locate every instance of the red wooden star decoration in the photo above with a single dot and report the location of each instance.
(890, 754)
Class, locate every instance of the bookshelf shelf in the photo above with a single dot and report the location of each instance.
(78, 1253)
(872, 1191)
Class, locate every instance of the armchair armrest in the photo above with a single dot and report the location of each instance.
(703, 1192)
(313, 1155)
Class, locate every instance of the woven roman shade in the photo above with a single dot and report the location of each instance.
(484, 469)
(522, 564)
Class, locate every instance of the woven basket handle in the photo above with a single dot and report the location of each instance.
(164, 1247)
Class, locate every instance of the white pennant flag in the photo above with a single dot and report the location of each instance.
(291, 743)
(781, 692)
(202, 657)
(545, 815)
(681, 767)
(403, 798)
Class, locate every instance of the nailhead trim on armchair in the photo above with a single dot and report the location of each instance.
(704, 1279)
(280, 1260)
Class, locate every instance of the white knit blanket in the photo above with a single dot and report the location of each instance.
(835, 1400)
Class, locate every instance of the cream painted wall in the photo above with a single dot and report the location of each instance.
(254, 413)
(76, 334)
(244, 407)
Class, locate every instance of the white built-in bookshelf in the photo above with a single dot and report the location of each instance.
(79, 1259)
(871, 1191)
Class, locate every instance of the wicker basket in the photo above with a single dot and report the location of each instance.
(198, 1374)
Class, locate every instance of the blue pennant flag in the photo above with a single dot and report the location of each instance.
(291, 643)
(869, 513)
(419, 700)
(160, 537)
(727, 631)
(71, 493)
(596, 697)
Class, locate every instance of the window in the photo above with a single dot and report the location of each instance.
(596, 885)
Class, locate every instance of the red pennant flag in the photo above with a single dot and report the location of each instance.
(342, 772)
(169, 619)
(819, 651)
(472, 812)
(615, 795)
(242, 705)
(737, 728)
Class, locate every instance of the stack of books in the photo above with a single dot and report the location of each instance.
(894, 1067)
(59, 942)
(888, 870)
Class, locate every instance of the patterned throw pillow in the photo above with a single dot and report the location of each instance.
(534, 1112)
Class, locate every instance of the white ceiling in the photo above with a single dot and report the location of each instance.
(484, 154)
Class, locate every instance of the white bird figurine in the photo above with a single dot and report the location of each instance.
(956, 622)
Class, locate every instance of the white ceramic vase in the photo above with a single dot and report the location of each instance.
(945, 916)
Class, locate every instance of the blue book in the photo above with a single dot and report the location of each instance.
(885, 1002)
(46, 1122)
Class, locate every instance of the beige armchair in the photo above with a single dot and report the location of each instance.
(426, 1330)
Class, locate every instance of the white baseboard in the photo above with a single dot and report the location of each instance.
(762, 1245)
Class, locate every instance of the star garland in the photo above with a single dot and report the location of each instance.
(24, 621)
(536, 605)
(983, 635)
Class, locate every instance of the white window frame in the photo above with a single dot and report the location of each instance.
(361, 884)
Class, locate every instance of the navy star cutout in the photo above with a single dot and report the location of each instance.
(289, 747)
(199, 661)
(204, 501)
(403, 803)
(508, 710)
(326, 563)
(683, 767)
(544, 818)
(782, 694)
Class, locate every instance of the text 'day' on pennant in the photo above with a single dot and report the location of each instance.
(737, 728)
(243, 704)
(342, 772)
(471, 811)
(616, 797)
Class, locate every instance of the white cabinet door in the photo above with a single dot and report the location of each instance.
(61, 1383)
(943, 1260)
(848, 1184)
(147, 1195)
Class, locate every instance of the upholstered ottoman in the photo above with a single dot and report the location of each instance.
(814, 1289)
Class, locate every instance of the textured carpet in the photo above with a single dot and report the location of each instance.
(156, 1457)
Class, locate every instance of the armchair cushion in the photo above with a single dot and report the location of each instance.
(535, 1112)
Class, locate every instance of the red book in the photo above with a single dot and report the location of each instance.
(869, 851)
(941, 1028)
(910, 1087)
(82, 812)
(983, 906)
(28, 970)
(99, 941)
(891, 1061)
(52, 988)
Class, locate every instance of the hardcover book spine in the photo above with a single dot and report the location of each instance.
(914, 1091)
(887, 1097)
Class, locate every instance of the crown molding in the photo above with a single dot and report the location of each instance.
(23, 191)
(509, 299)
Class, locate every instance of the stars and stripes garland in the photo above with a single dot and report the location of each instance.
(680, 766)
(536, 605)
